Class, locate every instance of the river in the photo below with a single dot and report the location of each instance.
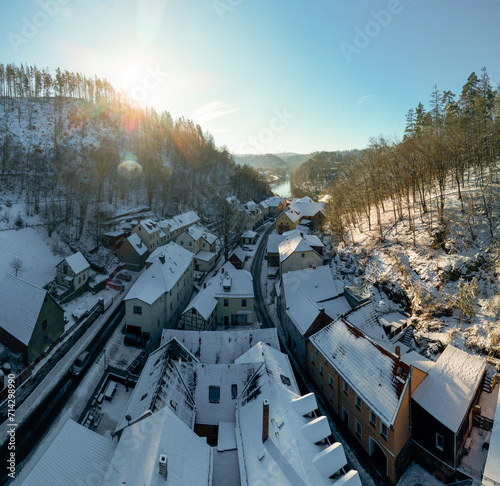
(282, 187)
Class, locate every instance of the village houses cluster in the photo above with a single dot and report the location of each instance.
(217, 401)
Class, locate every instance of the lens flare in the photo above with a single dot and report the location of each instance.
(129, 167)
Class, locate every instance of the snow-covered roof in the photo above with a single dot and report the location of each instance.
(204, 255)
(161, 277)
(292, 244)
(204, 302)
(302, 228)
(241, 282)
(302, 311)
(72, 458)
(137, 455)
(251, 206)
(311, 240)
(491, 474)
(418, 361)
(137, 244)
(160, 385)
(365, 318)
(318, 283)
(199, 377)
(222, 347)
(239, 253)
(180, 221)
(150, 226)
(290, 454)
(273, 243)
(293, 215)
(351, 353)
(450, 386)
(77, 263)
(274, 201)
(197, 232)
(20, 306)
(249, 234)
(306, 207)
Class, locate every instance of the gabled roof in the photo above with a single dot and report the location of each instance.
(136, 458)
(273, 243)
(197, 232)
(274, 201)
(72, 458)
(292, 244)
(307, 207)
(160, 385)
(351, 354)
(180, 221)
(161, 277)
(293, 215)
(205, 256)
(204, 302)
(450, 386)
(241, 282)
(249, 234)
(290, 454)
(221, 347)
(239, 253)
(364, 317)
(317, 283)
(150, 226)
(77, 263)
(302, 311)
(137, 244)
(20, 306)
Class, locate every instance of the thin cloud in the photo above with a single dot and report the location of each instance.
(211, 111)
(364, 99)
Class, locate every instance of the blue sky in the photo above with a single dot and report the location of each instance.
(266, 76)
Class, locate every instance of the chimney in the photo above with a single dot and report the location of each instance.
(162, 466)
(204, 285)
(265, 420)
(222, 270)
(162, 258)
(314, 267)
(140, 244)
(398, 352)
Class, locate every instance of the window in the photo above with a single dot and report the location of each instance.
(358, 403)
(137, 309)
(226, 302)
(214, 394)
(303, 255)
(193, 311)
(79, 279)
(234, 391)
(44, 325)
(383, 430)
(357, 428)
(285, 380)
(439, 442)
(346, 388)
(313, 359)
(330, 398)
(330, 381)
(45, 339)
(345, 416)
(321, 369)
(373, 419)
(243, 302)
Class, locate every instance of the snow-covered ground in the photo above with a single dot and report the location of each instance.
(416, 475)
(31, 246)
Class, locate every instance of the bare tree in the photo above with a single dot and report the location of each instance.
(16, 265)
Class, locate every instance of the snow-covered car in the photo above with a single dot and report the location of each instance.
(124, 276)
(134, 340)
(247, 248)
(80, 364)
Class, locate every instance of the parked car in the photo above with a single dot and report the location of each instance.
(247, 248)
(124, 276)
(80, 363)
(134, 340)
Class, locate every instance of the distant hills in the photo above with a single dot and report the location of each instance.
(279, 164)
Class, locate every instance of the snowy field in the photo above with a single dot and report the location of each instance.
(31, 246)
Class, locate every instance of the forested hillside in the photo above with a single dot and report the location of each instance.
(75, 149)
(280, 165)
(420, 218)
